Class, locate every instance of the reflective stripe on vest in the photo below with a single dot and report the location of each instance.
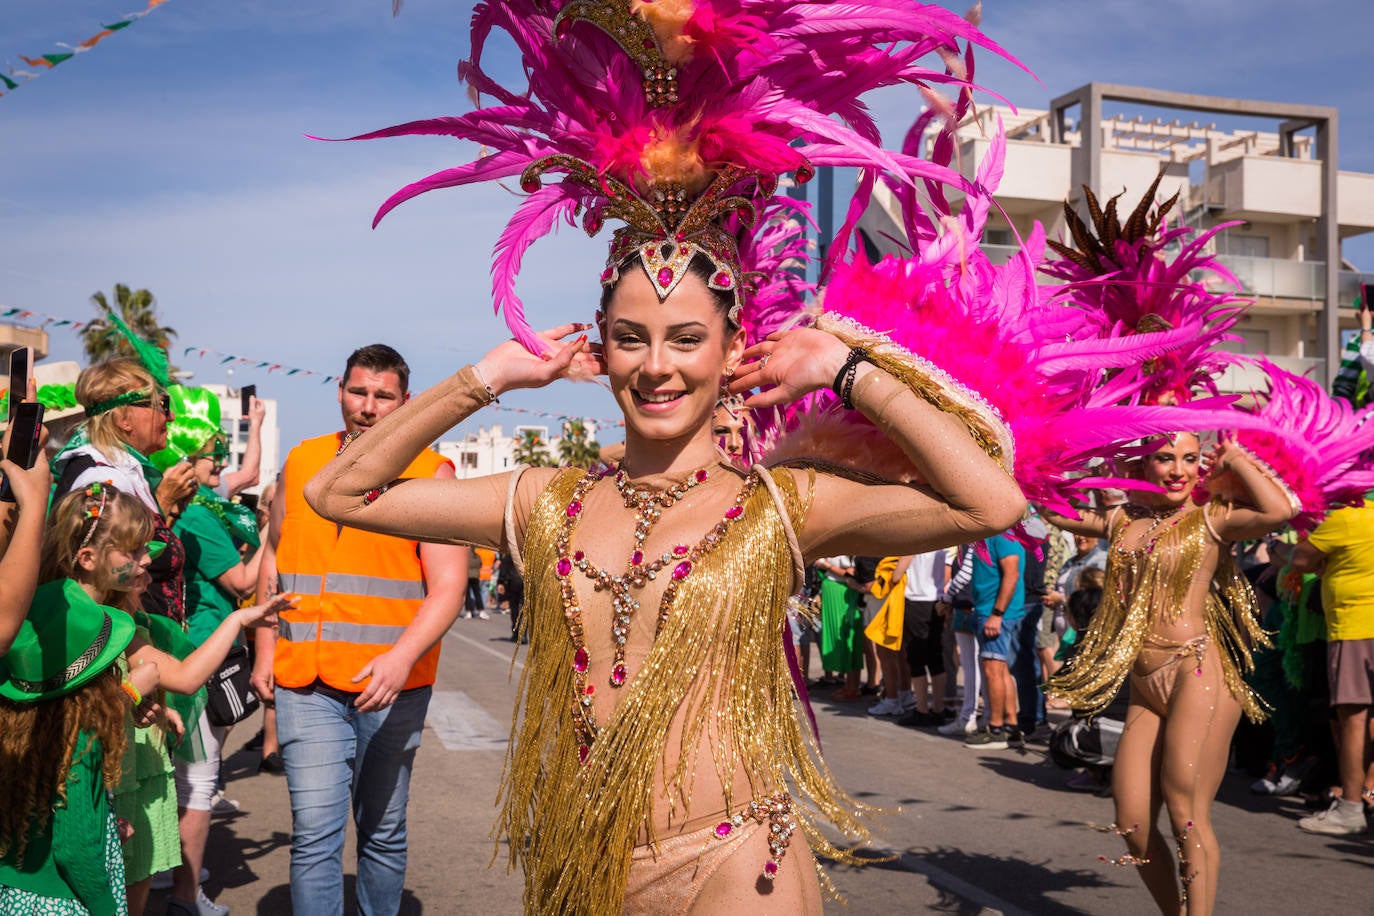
(366, 634)
(358, 590)
(349, 584)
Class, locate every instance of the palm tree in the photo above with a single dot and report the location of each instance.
(531, 450)
(138, 309)
(577, 448)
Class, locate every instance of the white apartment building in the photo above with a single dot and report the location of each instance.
(491, 451)
(1285, 185)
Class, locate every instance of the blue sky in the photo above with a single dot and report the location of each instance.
(173, 157)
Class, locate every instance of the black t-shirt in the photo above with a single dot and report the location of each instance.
(866, 568)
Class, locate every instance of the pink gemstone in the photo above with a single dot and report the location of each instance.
(606, 274)
(618, 675)
(734, 512)
(722, 280)
(770, 868)
(681, 550)
(579, 556)
(564, 566)
(681, 570)
(701, 475)
(580, 659)
(665, 276)
(574, 507)
(582, 752)
(590, 690)
(723, 829)
(636, 558)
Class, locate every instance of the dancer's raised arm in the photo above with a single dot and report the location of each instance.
(360, 489)
(1256, 503)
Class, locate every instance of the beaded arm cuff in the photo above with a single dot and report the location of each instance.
(931, 383)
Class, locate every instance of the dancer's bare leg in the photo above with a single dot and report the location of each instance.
(1138, 797)
(1197, 738)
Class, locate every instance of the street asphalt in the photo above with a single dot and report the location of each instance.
(967, 832)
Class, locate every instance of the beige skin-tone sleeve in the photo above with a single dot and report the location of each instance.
(967, 495)
(439, 511)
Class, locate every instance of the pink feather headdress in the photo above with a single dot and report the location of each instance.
(1122, 280)
(676, 115)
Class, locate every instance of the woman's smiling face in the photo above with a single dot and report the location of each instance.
(1174, 466)
(665, 359)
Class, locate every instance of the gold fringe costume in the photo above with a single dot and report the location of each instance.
(717, 671)
(1149, 584)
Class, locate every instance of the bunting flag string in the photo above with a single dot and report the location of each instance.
(44, 63)
(230, 360)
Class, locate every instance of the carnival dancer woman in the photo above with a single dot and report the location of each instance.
(657, 596)
(659, 762)
(1178, 620)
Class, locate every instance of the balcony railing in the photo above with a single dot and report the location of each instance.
(1348, 286)
(1278, 278)
(1244, 379)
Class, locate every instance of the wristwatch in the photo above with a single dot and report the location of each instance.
(997, 613)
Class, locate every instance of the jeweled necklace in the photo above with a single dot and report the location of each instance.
(649, 505)
(1160, 516)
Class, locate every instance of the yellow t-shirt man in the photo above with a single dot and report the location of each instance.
(1346, 538)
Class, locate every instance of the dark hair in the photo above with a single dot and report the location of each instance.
(1083, 604)
(379, 358)
(700, 266)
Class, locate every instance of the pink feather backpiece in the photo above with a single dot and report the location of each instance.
(1321, 448)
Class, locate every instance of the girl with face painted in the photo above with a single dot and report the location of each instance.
(98, 537)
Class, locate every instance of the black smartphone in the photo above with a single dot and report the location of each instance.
(1365, 290)
(246, 395)
(25, 429)
(21, 369)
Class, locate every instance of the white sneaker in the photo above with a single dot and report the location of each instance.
(959, 728)
(1341, 819)
(222, 804)
(908, 700)
(887, 706)
(203, 906)
(483, 615)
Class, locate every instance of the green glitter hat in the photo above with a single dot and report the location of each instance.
(195, 421)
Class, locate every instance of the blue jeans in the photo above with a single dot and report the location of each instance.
(337, 757)
(1030, 699)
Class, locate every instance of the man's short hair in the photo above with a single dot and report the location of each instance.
(379, 358)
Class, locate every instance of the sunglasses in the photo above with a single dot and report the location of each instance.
(159, 403)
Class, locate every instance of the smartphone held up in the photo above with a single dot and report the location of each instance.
(25, 447)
